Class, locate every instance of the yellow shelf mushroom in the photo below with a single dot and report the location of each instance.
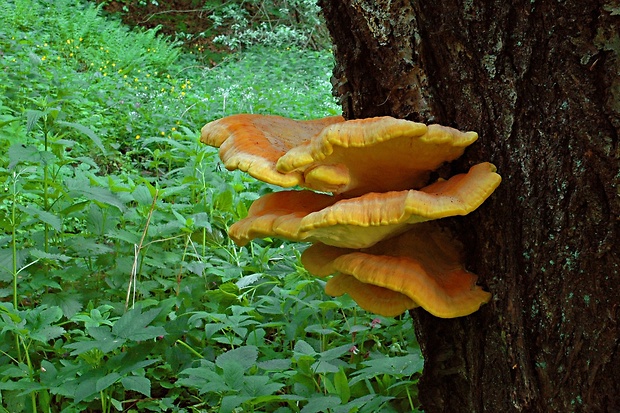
(369, 232)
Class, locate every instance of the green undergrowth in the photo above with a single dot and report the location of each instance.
(119, 288)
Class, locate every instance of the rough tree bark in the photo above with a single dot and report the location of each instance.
(539, 80)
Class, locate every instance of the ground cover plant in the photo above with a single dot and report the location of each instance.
(119, 288)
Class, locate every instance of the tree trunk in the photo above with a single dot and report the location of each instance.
(540, 83)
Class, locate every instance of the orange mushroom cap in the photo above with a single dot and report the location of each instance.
(254, 143)
(372, 298)
(363, 221)
(420, 267)
(333, 155)
(374, 155)
(278, 214)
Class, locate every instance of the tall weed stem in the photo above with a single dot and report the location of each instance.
(137, 250)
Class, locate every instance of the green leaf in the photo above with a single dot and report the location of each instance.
(229, 403)
(245, 356)
(103, 341)
(69, 302)
(257, 386)
(87, 384)
(275, 364)
(40, 322)
(323, 366)
(392, 366)
(304, 348)
(47, 256)
(342, 386)
(106, 381)
(43, 216)
(321, 404)
(32, 117)
(134, 325)
(124, 235)
(80, 187)
(6, 309)
(224, 201)
(87, 247)
(204, 379)
(138, 384)
(142, 195)
(19, 153)
(233, 372)
(336, 352)
(86, 131)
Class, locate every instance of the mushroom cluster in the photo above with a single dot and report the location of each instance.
(367, 204)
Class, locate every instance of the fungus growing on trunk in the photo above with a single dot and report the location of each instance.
(372, 232)
(363, 221)
(333, 155)
(420, 267)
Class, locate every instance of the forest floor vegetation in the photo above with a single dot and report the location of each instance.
(119, 288)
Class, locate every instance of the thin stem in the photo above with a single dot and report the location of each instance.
(33, 395)
(14, 240)
(45, 198)
(413, 409)
(187, 346)
(14, 257)
(180, 273)
(137, 250)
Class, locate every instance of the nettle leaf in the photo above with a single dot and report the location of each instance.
(19, 153)
(170, 191)
(43, 216)
(134, 325)
(86, 131)
(248, 280)
(32, 117)
(138, 384)
(224, 201)
(81, 187)
(6, 261)
(87, 247)
(142, 195)
(47, 256)
(196, 267)
(124, 235)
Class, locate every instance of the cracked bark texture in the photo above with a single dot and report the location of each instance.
(540, 82)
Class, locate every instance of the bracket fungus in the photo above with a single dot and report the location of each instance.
(420, 267)
(365, 220)
(372, 231)
(333, 155)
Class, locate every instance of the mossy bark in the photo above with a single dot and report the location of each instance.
(540, 82)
